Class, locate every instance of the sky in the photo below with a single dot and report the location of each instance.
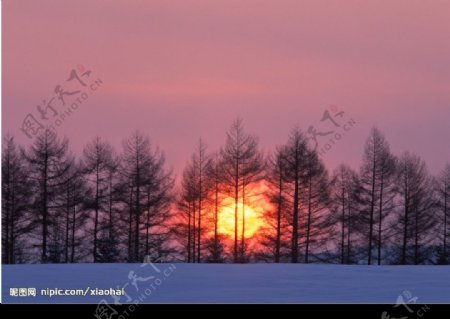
(183, 70)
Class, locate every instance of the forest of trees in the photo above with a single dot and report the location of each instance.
(108, 206)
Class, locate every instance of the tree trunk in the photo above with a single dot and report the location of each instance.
(416, 237)
(147, 223)
(380, 220)
(96, 211)
(189, 231)
(294, 253)
(349, 230)
(216, 223)
(110, 208)
(137, 212)
(372, 208)
(200, 199)
(445, 222)
(44, 210)
(7, 212)
(308, 226)
(343, 227)
(130, 227)
(278, 238)
(12, 247)
(405, 229)
(72, 256)
(236, 211)
(194, 232)
(66, 250)
(242, 253)
(147, 233)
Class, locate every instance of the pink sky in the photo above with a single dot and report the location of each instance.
(180, 70)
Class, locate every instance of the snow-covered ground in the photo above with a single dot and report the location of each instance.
(252, 283)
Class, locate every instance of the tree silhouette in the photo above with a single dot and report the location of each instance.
(241, 166)
(16, 200)
(443, 203)
(105, 207)
(295, 154)
(97, 164)
(49, 163)
(377, 173)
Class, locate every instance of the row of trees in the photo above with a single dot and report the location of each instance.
(391, 211)
(103, 207)
(208, 181)
(393, 206)
(119, 207)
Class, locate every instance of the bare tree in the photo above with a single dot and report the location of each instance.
(316, 201)
(215, 178)
(202, 163)
(387, 193)
(275, 241)
(109, 228)
(194, 201)
(209, 195)
(346, 200)
(377, 173)
(97, 162)
(109, 199)
(186, 227)
(49, 163)
(295, 154)
(136, 159)
(443, 193)
(182, 229)
(416, 217)
(77, 192)
(241, 165)
(159, 199)
(149, 188)
(16, 195)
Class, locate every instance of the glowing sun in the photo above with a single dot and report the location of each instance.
(253, 220)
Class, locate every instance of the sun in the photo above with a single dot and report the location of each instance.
(253, 220)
